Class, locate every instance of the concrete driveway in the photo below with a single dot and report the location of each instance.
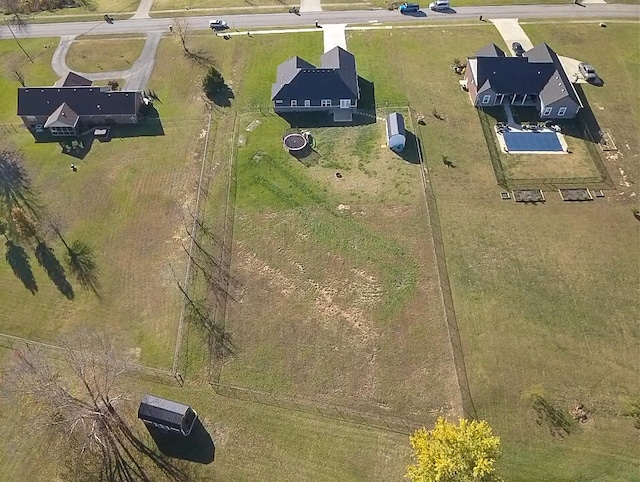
(334, 36)
(135, 78)
(511, 31)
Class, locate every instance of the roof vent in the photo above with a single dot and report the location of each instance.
(539, 72)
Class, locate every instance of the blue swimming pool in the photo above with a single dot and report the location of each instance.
(532, 141)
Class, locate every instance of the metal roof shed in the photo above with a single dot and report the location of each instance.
(167, 415)
(396, 135)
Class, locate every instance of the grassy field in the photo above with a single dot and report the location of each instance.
(544, 305)
(546, 299)
(87, 55)
(132, 222)
(35, 73)
(101, 6)
(348, 308)
(252, 442)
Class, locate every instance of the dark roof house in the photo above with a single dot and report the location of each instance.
(167, 415)
(66, 110)
(332, 87)
(535, 79)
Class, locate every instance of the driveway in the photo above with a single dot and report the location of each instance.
(310, 6)
(143, 9)
(135, 78)
(334, 36)
(511, 31)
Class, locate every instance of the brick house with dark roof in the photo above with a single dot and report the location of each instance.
(332, 87)
(535, 79)
(77, 105)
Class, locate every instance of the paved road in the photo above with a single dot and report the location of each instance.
(245, 22)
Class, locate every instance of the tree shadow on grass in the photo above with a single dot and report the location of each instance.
(15, 184)
(558, 421)
(82, 263)
(47, 259)
(18, 259)
(196, 447)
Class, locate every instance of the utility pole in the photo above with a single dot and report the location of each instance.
(18, 42)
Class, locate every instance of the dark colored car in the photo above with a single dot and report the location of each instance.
(517, 49)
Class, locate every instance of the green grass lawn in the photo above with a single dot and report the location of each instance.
(88, 55)
(126, 202)
(545, 295)
(544, 304)
(337, 276)
(101, 6)
(35, 73)
(252, 442)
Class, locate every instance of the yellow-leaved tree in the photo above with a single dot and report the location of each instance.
(464, 452)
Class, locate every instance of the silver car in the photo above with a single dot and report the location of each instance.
(588, 72)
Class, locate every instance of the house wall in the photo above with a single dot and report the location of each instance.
(572, 109)
(313, 108)
(471, 85)
(315, 104)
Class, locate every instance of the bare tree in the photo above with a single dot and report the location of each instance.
(79, 400)
(181, 27)
(17, 73)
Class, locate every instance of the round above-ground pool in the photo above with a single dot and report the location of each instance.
(295, 142)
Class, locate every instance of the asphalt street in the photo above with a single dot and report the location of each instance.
(255, 21)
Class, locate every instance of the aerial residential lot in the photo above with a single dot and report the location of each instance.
(336, 296)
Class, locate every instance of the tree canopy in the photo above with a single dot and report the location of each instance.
(464, 452)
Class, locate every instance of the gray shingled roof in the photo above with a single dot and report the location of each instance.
(40, 101)
(162, 411)
(63, 116)
(338, 58)
(336, 75)
(491, 50)
(539, 71)
(75, 80)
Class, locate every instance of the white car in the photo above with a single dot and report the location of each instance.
(218, 24)
(440, 5)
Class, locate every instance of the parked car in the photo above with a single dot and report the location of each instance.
(517, 49)
(588, 72)
(440, 5)
(218, 24)
(409, 8)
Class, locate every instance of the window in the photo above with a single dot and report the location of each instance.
(294, 102)
(562, 111)
(486, 99)
(63, 131)
(307, 103)
(345, 103)
(547, 111)
(325, 103)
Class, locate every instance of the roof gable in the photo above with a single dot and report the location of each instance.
(491, 50)
(63, 116)
(76, 80)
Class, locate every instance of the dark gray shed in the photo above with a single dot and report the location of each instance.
(396, 135)
(167, 415)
